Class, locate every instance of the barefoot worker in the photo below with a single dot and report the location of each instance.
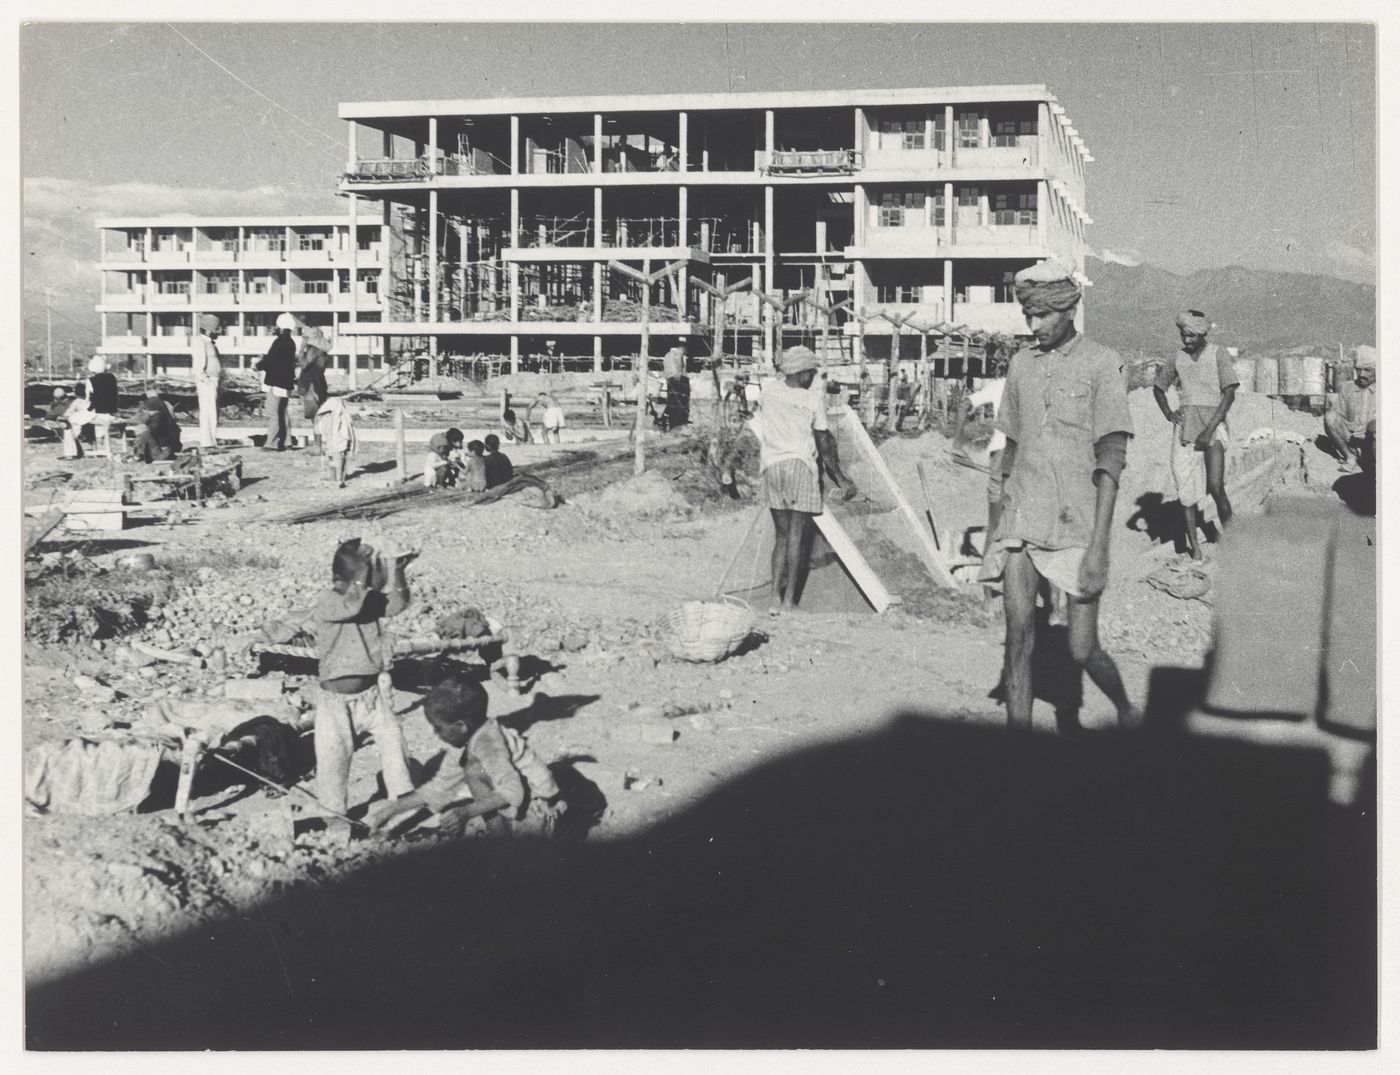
(1205, 381)
(792, 430)
(1065, 416)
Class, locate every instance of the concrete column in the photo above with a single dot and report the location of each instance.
(948, 209)
(952, 136)
(433, 151)
(948, 290)
(1042, 203)
(984, 132)
(432, 255)
(514, 217)
(683, 128)
(768, 128)
(858, 134)
(683, 208)
(860, 284)
(514, 145)
(705, 148)
(354, 316)
(597, 354)
(351, 145)
(514, 353)
(598, 216)
(768, 257)
(928, 136)
(1042, 125)
(861, 210)
(461, 269)
(598, 271)
(598, 142)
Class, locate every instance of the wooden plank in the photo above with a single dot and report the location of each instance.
(928, 551)
(106, 520)
(864, 576)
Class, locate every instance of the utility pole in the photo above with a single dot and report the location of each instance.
(48, 317)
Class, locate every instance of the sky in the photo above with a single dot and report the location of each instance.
(1215, 144)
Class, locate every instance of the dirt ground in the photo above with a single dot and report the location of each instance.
(581, 589)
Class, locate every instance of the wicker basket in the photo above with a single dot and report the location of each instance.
(707, 630)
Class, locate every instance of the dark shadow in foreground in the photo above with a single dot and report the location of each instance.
(927, 886)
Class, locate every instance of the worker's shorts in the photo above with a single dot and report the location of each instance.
(1060, 566)
(791, 485)
(1189, 468)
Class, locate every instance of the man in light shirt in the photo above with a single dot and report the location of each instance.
(208, 371)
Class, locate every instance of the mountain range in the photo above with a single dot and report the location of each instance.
(1133, 308)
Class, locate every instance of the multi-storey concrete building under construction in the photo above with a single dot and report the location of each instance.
(918, 202)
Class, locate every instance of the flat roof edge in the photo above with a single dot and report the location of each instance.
(189, 220)
(662, 102)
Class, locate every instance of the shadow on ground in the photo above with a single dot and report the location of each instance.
(926, 886)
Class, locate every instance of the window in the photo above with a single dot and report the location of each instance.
(897, 293)
(1009, 132)
(908, 132)
(316, 287)
(311, 242)
(369, 283)
(899, 209)
(173, 287)
(940, 211)
(969, 195)
(1008, 209)
(969, 130)
(261, 285)
(367, 237)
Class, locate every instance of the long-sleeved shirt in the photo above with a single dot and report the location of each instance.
(514, 771)
(351, 643)
(1058, 404)
(280, 363)
(204, 360)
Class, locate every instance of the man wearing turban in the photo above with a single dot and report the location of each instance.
(1350, 419)
(1205, 381)
(279, 368)
(1065, 416)
(794, 445)
(208, 371)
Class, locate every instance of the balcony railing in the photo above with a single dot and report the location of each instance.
(299, 299)
(124, 298)
(261, 298)
(810, 161)
(1005, 317)
(297, 256)
(897, 159)
(214, 253)
(910, 239)
(996, 235)
(168, 257)
(173, 298)
(1022, 152)
(169, 344)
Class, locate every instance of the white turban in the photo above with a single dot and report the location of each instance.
(97, 365)
(287, 321)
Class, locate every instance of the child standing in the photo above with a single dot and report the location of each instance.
(495, 775)
(335, 433)
(354, 656)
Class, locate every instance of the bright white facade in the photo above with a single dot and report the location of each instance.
(159, 274)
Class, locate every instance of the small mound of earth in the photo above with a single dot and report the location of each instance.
(648, 495)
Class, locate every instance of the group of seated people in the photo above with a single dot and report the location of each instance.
(475, 466)
(90, 410)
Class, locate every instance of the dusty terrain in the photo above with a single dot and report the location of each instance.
(581, 589)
